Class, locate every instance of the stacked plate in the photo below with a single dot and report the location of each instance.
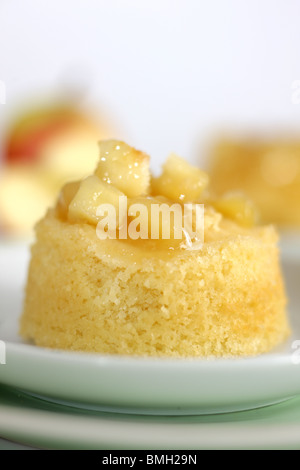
(55, 399)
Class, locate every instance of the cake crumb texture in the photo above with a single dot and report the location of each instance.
(227, 299)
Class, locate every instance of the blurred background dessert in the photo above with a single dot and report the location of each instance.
(265, 170)
(45, 145)
(173, 73)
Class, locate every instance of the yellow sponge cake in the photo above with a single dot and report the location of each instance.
(217, 291)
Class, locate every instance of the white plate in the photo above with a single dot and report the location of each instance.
(135, 385)
(290, 246)
(39, 424)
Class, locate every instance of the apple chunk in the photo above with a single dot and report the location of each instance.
(180, 181)
(66, 195)
(91, 194)
(237, 207)
(124, 167)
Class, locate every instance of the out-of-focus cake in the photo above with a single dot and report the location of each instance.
(44, 146)
(171, 297)
(268, 172)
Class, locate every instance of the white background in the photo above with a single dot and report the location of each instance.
(171, 73)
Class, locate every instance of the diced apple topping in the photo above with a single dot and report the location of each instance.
(91, 194)
(117, 200)
(180, 181)
(124, 167)
(66, 195)
(157, 217)
(237, 207)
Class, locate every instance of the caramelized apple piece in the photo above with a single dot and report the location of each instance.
(180, 181)
(237, 207)
(124, 167)
(158, 218)
(91, 194)
(66, 195)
